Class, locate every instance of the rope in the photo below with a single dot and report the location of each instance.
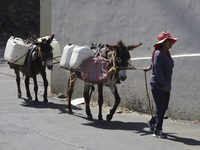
(20, 57)
(113, 70)
(145, 77)
(55, 58)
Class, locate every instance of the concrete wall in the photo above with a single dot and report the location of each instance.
(45, 27)
(45, 17)
(133, 21)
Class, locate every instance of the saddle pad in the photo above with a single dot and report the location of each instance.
(95, 70)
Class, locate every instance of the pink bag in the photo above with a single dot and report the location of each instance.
(95, 70)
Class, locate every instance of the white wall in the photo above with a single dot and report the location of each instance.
(45, 17)
(45, 27)
(133, 21)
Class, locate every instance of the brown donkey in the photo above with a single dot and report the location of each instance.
(43, 53)
(119, 56)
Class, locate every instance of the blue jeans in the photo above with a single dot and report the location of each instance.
(161, 99)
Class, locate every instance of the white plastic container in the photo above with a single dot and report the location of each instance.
(56, 49)
(66, 55)
(8, 45)
(78, 55)
(16, 51)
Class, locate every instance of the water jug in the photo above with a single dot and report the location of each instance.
(16, 51)
(66, 55)
(78, 55)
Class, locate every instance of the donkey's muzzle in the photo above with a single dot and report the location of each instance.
(122, 75)
(49, 64)
(122, 78)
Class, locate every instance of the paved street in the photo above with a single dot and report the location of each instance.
(26, 126)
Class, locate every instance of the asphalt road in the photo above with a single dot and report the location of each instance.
(26, 126)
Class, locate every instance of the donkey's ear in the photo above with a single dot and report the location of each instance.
(112, 47)
(131, 47)
(51, 38)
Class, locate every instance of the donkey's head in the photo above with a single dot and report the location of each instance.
(119, 56)
(45, 51)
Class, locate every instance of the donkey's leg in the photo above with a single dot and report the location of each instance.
(44, 77)
(100, 100)
(87, 100)
(28, 94)
(117, 101)
(70, 90)
(19, 93)
(35, 87)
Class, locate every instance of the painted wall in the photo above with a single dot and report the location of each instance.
(133, 21)
(45, 17)
(45, 27)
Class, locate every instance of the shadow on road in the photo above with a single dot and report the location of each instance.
(187, 141)
(51, 105)
(138, 127)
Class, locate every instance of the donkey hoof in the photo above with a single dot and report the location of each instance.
(108, 117)
(100, 118)
(89, 117)
(45, 100)
(29, 98)
(70, 112)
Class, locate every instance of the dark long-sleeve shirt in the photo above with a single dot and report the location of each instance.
(162, 67)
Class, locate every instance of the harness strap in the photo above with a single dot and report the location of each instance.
(43, 62)
(20, 57)
(113, 69)
(57, 61)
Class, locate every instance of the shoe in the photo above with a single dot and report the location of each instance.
(152, 126)
(159, 134)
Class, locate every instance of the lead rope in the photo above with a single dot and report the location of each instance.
(113, 71)
(145, 77)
